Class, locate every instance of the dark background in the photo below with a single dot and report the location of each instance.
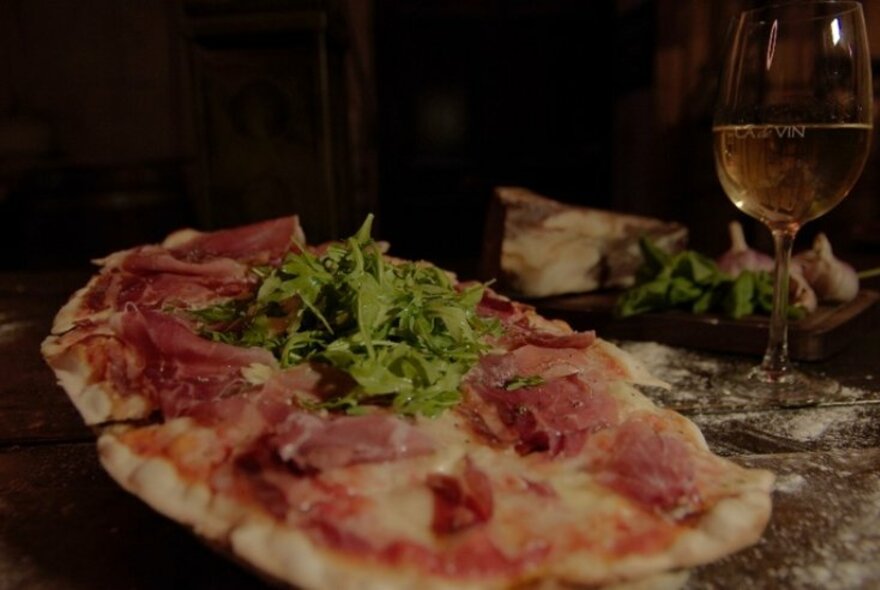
(121, 120)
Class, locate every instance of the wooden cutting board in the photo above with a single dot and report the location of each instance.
(814, 338)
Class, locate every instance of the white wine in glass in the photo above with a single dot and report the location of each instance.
(792, 130)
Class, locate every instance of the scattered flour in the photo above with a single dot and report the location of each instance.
(808, 425)
(652, 354)
(738, 424)
(687, 372)
(668, 363)
(698, 384)
(788, 484)
(848, 557)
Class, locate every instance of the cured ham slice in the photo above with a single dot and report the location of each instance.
(568, 401)
(501, 307)
(556, 416)
(523, 326)
(191, 269)
(461, 502)
(154, 259)
(652, 467)
(181, 368)
(113, 290)
(545, 339)
(257, 243)
(314, 443)
(314, 381)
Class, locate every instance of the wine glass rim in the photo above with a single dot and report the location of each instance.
(845, 7)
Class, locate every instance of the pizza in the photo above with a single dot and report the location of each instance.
(339, 418)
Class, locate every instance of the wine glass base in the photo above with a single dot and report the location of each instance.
(790, 389)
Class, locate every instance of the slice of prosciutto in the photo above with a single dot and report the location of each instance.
(155, 260)
(257, 243)
(178, 366)
(113, 290)
(557, 414)
(191, 269)
(493, 304)
(461, 502)
(522, 326)
(316, 443)
(653, 467)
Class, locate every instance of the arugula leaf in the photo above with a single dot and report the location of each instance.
(764, 291)
(216, 314)
(521, 382)
(682, 290)
(642, 298)
(655, 259)
(739, 300)
(696, 268)
(709, 300)
(403, 331)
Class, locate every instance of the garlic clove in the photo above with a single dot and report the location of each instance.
(831, 278)
(799, 290)
(740, 257)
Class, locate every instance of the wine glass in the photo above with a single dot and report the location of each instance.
(792, 131)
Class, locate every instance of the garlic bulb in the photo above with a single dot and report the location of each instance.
(740, 257)
(832, 279)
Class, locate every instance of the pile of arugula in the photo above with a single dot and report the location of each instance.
(689, 280)
(402, 330)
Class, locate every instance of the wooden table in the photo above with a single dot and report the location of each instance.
(65, 525)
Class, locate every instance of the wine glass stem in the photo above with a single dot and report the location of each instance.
(776, 365)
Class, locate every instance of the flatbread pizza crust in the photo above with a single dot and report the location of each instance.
(99, 371)
(97, 400)
(283, 553)
(66, 318)
(288, 554)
